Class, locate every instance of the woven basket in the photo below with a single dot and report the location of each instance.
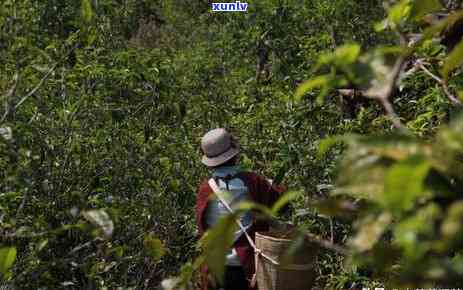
(296, 273)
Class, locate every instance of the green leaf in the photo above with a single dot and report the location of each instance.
(87, 10)
(423, 7)
(326, 144)
(216, 242)
(101, 219)
(347, 54)
(399, 13)
(370, 231)
(342, 56)
(454, 60)
(154, 247)
(381, 25)
(7, 258)
(404, 183)
(284, 200)
(336, 206)
(452, 224)
(316, 82)
(410, 232)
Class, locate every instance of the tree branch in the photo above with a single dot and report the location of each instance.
(419, 63)
(10, 94)
(41, 82)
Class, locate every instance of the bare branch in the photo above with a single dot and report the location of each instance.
(34, 90)
(392, 114)
(41, 82)
(10, 94)
(419, 63)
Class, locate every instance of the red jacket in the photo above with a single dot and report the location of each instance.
(260, 191)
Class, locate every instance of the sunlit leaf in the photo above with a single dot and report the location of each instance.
(284, 200)
(409, 231)
(370, 232)
(453, 225)
(404, 183)
(460, 95)
(7, 259)
(448, 148)
(399, 13)
(453, 61)
(381, 25)
(311, 84)
(326, 144)
(154, 247)
(336, 207)
(216, 242)
(87, 10)
(347, 54)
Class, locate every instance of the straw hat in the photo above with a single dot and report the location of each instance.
(218, 147)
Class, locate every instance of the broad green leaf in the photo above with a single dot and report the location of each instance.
(165, 162)
(87, 10)
(399, 13)
(423, 7)
(370, 232)
(101, 219)
(316, 82)
(408, 232)
(453, 61)
(342, 56)
(326, 144)
(452, 225)
(7, 258)
(284, 200)
(381, 25)
(448, 148)
(154, 247)
(336, 207)
(403, 183)
(347, 54)
(216, 242)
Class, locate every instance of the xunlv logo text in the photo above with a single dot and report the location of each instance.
(229, 7)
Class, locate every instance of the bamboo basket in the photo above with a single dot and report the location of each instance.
(293, 273)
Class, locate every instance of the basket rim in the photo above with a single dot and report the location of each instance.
(261, 234)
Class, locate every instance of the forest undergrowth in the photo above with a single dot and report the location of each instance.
(353, 105)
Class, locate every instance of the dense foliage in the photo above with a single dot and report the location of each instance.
(104, 102)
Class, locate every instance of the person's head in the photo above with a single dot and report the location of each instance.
(219, 148)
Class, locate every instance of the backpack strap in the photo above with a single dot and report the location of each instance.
(219, 195)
